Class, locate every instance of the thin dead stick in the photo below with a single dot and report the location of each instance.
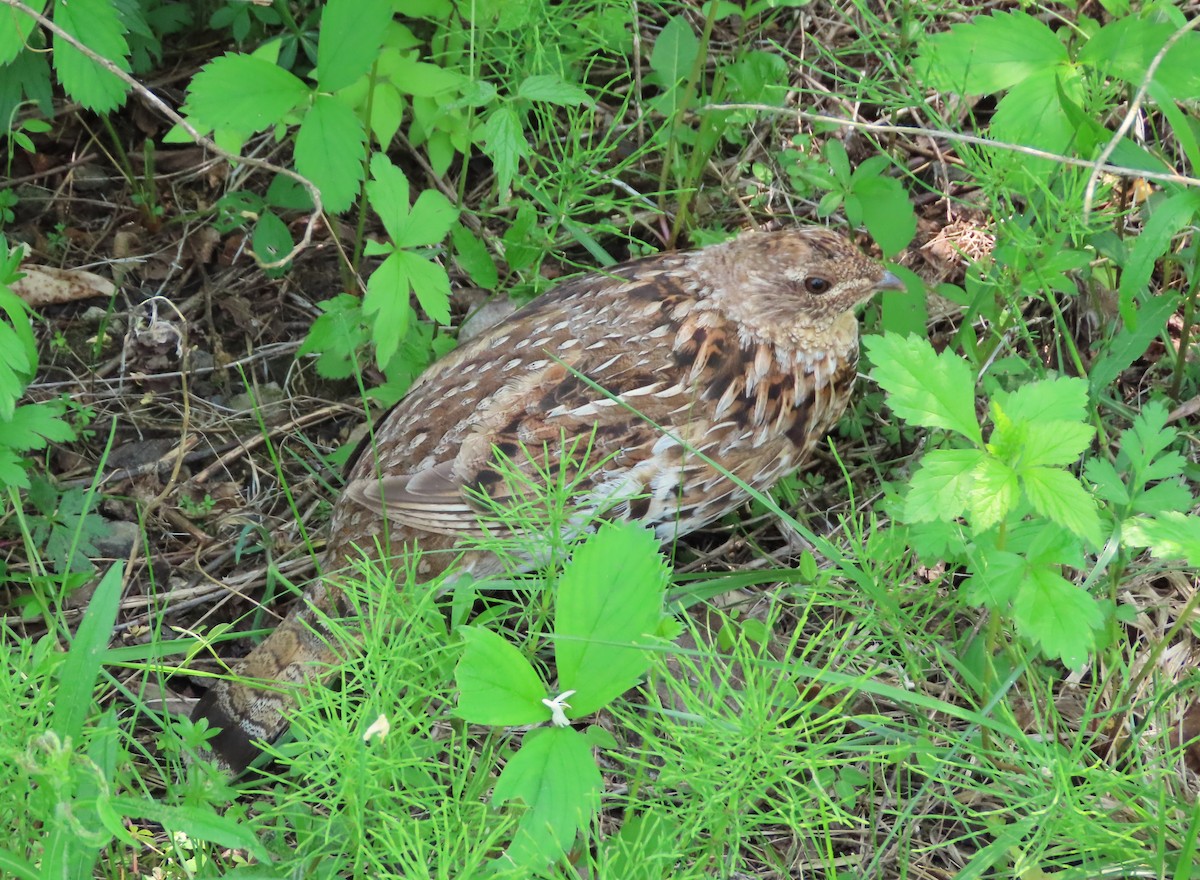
(195, 135)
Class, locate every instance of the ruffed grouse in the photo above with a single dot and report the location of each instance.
(675, 370)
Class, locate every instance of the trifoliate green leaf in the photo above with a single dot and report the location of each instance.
(429, 222)
(924, 388)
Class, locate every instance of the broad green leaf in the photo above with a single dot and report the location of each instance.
(419, 78)
(1058, 496)
(472, 257)
(1167, 218)
(609, 603)
(271, 240)
(940, 488)
(553, 90)
(555, 776)
(243, 94)
(386, 302)
(81, 669)
(387, 191)
(98, 25)
(1057, 616)
(329, 150)
(496, 684)
(430, 283)
(1048, 399)
(997, 581)
(504, 143)
(886, 212)
(1125, 48)
(674, 52)
(430, 220)
(926, 389)
(1033, 114)
(995, 493)
(1170, 535)
(351, 33)
(991, 53)
(15, 31)
(33, 424)
(1054, 443)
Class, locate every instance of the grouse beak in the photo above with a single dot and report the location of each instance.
(889, 281)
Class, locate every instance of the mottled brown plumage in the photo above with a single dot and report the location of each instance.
(670, 371)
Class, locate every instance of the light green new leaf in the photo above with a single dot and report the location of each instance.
(1058, 496)
(1057, 616)
(429, 222)
(991, 53)
(674, 52)
(351, 33)
(329, 148)
(504, 143)
(553, 90)
(387, 191)
(1063, 398)
(994, 494)
(496, 684)
(1170, 535)
(609, 604)
(555, 776)
(430, 283)
(940, 488)
(387, 302)
(924, 388)
(98, 25)
(242, 94)
(1055, 443)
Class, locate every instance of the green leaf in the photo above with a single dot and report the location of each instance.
(242, 94)
(886, 212)
(1167, 218)
(329, 150)
(1125, 48)
(926, 389)
(674, 52)
(995, 493)
(610, 599)
(429, 222)
(81, 669)
(472, 257)
(1057, 616)
(940, 489)
(1058, 496)
(991, 53)
(387, 191)
(14, 33)
(1170, 535)
(351, 33)
(1054, 443)
(387, 303)
(553, 90)
(271, 240)
(430, 283)
(555, 776)
(198, 823)
(999, 577)
(97, 24)
(504, 143)
(33, 424)
(1032, 113)
(12, 474)
(1132, 340)
(1049, 399)
(496, 684)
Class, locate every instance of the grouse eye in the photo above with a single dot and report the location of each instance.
(816, 284)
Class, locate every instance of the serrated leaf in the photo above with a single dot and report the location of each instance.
(329, 150)
(610, 599)
(351, 33)
(941, 487)
(472, 257)
(33, 425)
(995, 493)
(387, 192)
(991, 53)
(242, 94)
(1064, 397)
(556, 777)
(419, 78)
(1124, 49)
(496, 683)
(11, 472)
(1058, 496)
(1057, 616)
(98, 25)
(430, 283)
(14, 33)
(1055, 443)
(553, 90)
(1108, 482)
(505, 144)
(674, 52)
(1032, 113)
(386, 303)
(429, 221)
(1170, 535)
(926, 389)
(997, 582)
